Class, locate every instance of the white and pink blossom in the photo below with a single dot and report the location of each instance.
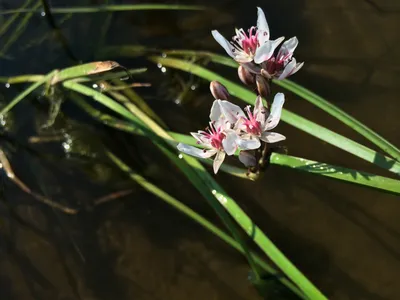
(216, 140)
(255, 43)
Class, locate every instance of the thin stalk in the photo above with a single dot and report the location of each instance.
(138, 101)
(293, 119)
(11, 20)
(59, 34)
(18, 31)
(26, 92)
(105, 76)
(105, 8)
(148, 186)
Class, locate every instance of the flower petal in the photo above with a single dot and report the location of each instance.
(230, 111)
(215, 112)
(223, 42)
(218, 160)
(287, 49)
(247, 159)
(259, 110)
(229, 142)
(265, 51)
(272, 137)
(276, 111)
(287, 71)
(262, 26)
(193, 151)
(249, 144)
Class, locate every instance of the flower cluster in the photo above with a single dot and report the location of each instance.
(232, 129)
(256, 52)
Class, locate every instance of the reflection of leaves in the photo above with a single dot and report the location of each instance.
(55, 98)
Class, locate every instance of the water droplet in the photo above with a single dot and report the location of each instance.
(164, 55)
(43, 14)
(193, 87)
(66, 146)
(214, 192)
(7, 85)
(321, 168)
(159, 65)
(180, 156)
(95, 86)
(163, 69)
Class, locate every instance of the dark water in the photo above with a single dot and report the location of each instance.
(345, 238)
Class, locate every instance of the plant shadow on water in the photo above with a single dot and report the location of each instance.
(137, 247)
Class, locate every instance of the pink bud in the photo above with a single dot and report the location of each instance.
(246, 76)
(218, 90)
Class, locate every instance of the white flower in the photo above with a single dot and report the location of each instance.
(258, 124)
(283, 64)
(217, 140)
(255, 126)
(254, 45)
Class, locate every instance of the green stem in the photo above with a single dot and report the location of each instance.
(12, 19)
(26, 92)
(18, 31)
(105, 8)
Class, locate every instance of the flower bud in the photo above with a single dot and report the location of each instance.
(246, 76)
(218, 90)
(263, 86)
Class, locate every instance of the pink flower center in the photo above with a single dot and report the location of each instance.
(252, 125)
(215, 136)
(247, 42)
(277, 65)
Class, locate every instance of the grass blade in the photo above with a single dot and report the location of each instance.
(8, 23)
(337, 172)
(341, 116)
(307, 95)
(293, 119)
(197, 218)
(210, 189)
(106, 8)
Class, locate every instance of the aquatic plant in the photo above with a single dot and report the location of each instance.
(232, 131)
